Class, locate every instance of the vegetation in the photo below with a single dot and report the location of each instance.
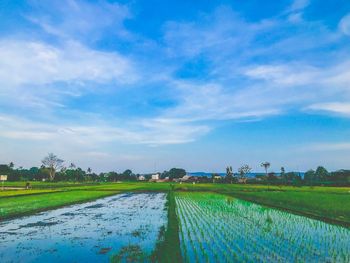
(326, 203)
(22, 205)
(54, 170)
(168, 249)
(52, 162)
(215, 228)
(174, 173)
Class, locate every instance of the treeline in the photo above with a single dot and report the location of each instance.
(318, 177)
(73, 174)
(53, 169)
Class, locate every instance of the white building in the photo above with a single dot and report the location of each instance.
(155, 176)
(141, 178)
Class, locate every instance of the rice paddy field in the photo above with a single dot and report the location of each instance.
(217, 228)
(161, 222)
(112, 229)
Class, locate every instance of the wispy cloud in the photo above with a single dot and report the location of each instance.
(77, 19)
(344, 25)
(341, 108)
(38, 63)
(148, 131)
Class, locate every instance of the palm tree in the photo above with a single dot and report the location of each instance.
(11, 165)
(266, 165)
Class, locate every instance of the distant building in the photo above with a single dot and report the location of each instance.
(155, 176)
(141, 178)
(242, 180)
(186, 178)
(189, 179)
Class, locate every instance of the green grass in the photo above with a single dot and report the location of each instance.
(168, 250)
(334, 208)
(15, 193)
(22, 205)
(330, 204)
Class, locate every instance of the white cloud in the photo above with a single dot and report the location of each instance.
(344, 25)
(147, 131)
(37, 63)
(341, 108)
(299, 5)
(198, 102)
(85, 20)
(215, 35)
(289, 75)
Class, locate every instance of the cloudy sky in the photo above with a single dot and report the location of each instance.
(150, 85)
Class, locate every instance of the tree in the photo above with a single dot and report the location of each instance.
(266, 166)
(309, 176)
(72, 166)
(283, 171)
(283, 174)
(271, 177)
(52, 162)
(243, 171)
(89, 170)
(321, 173)
(174, 173)
(229, 174)
(340, 177)
(11, 165)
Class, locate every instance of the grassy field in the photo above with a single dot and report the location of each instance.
(27, 204)
(16, 193)
(330, 204)
(168, 250)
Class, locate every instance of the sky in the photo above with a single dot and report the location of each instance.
(150, 85)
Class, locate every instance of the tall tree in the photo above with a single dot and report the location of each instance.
(53, 163)
(321, 173)
(229, 174)
(243, 170)
(309, 176)
(266, 166)
(11, 165)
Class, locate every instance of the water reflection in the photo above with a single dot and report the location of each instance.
(90, 232)
(217, 229)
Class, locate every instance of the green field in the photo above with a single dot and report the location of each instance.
(330, 204)
(217, 228)
(28, 204)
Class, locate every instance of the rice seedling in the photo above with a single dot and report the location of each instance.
(215, 228)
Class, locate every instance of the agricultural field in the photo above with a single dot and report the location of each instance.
(218, 228)
(110, 229)
(164, 222)
(24, 204)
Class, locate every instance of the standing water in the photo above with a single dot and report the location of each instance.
(217, 228)
(99, 231)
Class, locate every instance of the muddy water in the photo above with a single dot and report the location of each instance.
(89, 232)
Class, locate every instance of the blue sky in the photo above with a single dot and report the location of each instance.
(158, 84)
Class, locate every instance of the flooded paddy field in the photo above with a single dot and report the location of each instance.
(218, 228)
(100, 231)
